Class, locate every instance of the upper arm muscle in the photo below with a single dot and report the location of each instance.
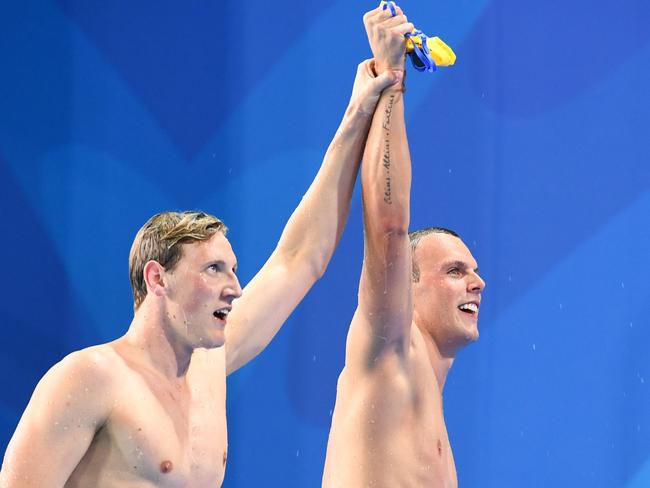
(265, 304)
(58, 425)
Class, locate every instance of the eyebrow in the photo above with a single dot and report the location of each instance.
(458, 264)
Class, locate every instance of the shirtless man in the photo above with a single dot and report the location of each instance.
(418, 305)
(148, 409)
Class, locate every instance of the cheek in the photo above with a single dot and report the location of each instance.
(197, 295)
(444, 298)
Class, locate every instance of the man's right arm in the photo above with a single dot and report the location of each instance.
(71, 402)
(383, 319)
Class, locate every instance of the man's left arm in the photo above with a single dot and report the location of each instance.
(311, 234)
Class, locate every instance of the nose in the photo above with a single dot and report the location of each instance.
(233, 289)
(476, 283)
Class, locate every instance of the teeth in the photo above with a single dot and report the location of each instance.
(472, 307)
(222, 311)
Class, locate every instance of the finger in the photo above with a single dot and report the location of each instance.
(366, 69)
(395, 10)
(386, 79)
(403, 29)
(394, 21)
(377, 13)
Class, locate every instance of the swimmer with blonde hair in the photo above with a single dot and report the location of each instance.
(149, 409)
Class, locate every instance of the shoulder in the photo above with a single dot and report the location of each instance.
(95, 362)
(86, 372)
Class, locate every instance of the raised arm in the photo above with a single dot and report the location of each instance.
(311, 234)
(68, 406)
(383, 319)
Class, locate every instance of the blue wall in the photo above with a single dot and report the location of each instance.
(534, 147)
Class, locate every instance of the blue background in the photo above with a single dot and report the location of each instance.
(534, 147)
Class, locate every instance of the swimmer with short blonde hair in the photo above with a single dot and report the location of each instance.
(149, 409)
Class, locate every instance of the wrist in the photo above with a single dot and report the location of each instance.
(382, 65)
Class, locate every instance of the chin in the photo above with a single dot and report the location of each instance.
(471, 334)
(213, 341)
(466, 336)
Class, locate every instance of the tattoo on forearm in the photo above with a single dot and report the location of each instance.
(386, 157)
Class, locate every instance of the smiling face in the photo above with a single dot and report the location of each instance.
(200, 290)
(447, 295)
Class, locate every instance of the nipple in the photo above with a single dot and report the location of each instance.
(166, 467)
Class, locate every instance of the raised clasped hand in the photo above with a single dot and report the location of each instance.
(386, 37)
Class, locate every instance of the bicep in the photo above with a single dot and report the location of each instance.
(266, 303)
(385, 299)
(55, 430)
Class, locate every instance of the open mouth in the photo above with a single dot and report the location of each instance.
(470, 308)
(222, 313)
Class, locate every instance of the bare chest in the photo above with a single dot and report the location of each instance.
(160, 435)
(402, 442)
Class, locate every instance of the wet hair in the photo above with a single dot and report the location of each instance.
(161, 239)
(415, 238)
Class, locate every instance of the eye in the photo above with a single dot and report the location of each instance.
(454, 272)
(215, 267)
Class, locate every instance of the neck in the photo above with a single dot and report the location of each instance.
(151, 332)
(440, 361)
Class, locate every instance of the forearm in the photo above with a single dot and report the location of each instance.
(315, 227)
(386, 172)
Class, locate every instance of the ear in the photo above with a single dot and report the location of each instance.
(153, 276)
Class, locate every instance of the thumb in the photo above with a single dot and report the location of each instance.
(388, 78)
